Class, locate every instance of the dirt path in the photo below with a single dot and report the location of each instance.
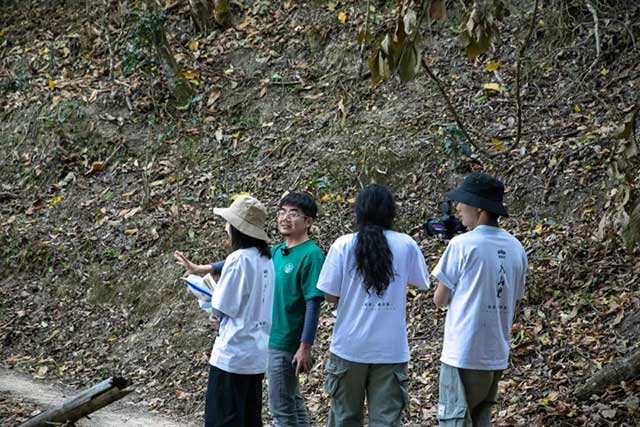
(118, 414)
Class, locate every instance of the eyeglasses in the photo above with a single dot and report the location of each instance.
(292, 215)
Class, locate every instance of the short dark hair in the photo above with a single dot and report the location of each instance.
(302, 201)
(492, 216)
(239, 240)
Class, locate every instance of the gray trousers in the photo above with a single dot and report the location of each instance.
(466, 396)
(384, 386)
(285, 401)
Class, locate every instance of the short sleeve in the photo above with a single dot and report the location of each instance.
(309, 274)
(231, 287)
(448, 269)
(330, 280)
(418, 271)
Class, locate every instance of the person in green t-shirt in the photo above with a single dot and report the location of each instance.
(296, 308)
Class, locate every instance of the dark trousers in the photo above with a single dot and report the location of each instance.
(233, 400)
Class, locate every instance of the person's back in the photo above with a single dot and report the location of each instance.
(481, 310)
(481, 278)
(367, 274)
(371, 328)
(241, 345)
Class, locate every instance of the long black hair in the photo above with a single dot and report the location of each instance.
(375, 211)
(239, 240)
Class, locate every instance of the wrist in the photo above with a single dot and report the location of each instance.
(305, 346)
(203, 268)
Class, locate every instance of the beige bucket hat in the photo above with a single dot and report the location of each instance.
(247, 215)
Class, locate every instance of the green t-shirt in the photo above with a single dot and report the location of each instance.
(296, 275)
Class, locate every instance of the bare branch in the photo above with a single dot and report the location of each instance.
(450, 106)
(595, 27)
(364, 37)
(521, 52)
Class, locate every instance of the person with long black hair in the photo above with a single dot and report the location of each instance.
(242, 301)
(366, 274)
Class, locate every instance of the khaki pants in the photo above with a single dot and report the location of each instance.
(466, 396)
(384, 386)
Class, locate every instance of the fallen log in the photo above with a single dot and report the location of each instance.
(85, 403)
(620, 370)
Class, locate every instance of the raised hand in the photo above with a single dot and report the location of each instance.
(191, 268)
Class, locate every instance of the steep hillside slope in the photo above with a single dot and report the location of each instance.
(102, 177)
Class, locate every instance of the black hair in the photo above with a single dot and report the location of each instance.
(493, 217)
(239, 240)
(375, 211)
(302, 201)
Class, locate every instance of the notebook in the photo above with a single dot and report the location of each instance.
(201, 287)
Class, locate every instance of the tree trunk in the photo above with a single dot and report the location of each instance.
(178, 84)
(85, 403)
(631, 234)
(222, 13)
(202, 15)
(620, 370)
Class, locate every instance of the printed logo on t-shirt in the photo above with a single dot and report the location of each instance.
(501, 281)
(501, 274)
(374, 303)
(288, 268)
(265, 283)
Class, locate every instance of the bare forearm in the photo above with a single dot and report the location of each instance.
(442, 296)
(202, 269)
(331, 298)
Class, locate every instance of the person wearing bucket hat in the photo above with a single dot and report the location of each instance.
(242, 300)
(481, 191)
(481, 278)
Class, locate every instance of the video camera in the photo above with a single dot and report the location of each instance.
(447, 226)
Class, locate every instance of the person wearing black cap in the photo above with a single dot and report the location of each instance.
(481, 277)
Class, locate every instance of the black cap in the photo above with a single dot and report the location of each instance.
(482, 191)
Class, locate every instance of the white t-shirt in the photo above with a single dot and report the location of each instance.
(244, 295)
(485, 269)
(368, 328)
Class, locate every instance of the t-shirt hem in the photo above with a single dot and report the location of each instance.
(284, 347)
(478, 366)
(233, 370)
(350, 358)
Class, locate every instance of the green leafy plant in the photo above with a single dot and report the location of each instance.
(148, 45)
(138, 51)
(454, 144)
(399, 52)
